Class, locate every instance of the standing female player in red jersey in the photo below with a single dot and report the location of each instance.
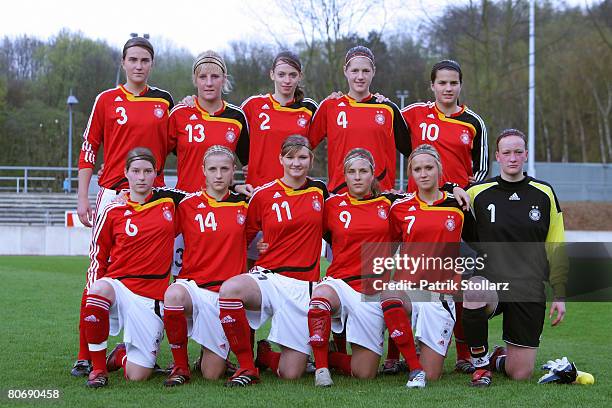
(130, 115)
(272, 117)
(358, 120)
(132, 251)
(353, 219)
(210, 121)
(424, 220)
(289, 211)
(213, 224)
(460, 137)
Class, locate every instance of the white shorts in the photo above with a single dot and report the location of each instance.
(204, 326)
(252, 251)
(433, 324)
(362, 316)
(179, 250)
(143, 329)
(286, 301)
(105, 197)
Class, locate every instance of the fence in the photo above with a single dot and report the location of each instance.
(572, 181)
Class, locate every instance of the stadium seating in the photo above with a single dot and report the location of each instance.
(36, 208)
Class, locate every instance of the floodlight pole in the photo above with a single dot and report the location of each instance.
(531, 131)
(402, 95)
(71, 101)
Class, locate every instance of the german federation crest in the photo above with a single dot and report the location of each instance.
(158, 111)
(382, 213)
(240, 218)
(302, 122)
(230, 136)
(316, 204)
(465, 137)
(380, 118)
(535, 213)
(450, 224)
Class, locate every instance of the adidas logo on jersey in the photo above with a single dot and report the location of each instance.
(343, 204)
(316, 338)
(431, 116)
(396, 333)
(277, 195)
(266, 106)
(91, 318)
(193, 117)
(118, 99)
(514, 197)
(342, 104)
(413, 208)
(201, 205)
(228, 319)
(126, 213)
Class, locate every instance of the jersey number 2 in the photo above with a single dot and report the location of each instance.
(264, 124)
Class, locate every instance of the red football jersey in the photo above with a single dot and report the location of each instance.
(353, 223)
(347, 124)
(461, 140)
(292, 224)
(270, 123)
(134, 243)
(215, 238)
(121, 121)
(192, 130)
(425, 228)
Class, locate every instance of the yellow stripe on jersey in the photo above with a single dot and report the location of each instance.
(477, 189)
(356, 104)
(216, 204)
(291, 192)
(426, 207)
(444, 118)
(142, 207)
(555, 249)
(130, 97)
(206, 116)
(355, 201)
(556, 230)
(277, 106)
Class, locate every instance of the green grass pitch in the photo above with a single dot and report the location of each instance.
(40, 304)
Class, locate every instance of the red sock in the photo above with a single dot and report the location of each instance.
(393, 352)
(237, 330)
(83, 348)
(463, 351)
(319, 327)
(400, 330)
(340, 341)
(270, 358)
(96, 325)
(176, 329)
(341, 362)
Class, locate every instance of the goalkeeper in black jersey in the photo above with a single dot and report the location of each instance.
(514, 207)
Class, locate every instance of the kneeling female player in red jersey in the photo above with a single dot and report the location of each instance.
(289, 211)
(210, 121)
(358, 120)
(130, 115)
(425, 220)
(213, 224)
(340, 301)
(132, 250)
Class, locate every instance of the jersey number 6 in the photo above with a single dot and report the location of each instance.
(130, 228)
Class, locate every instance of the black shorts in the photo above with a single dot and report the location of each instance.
(523, 322)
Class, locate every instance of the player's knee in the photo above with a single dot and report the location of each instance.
(519, 373)
(232, 288)
(102, 288)
(212, 373)
(363, 372)
(174, 296)
(138, 375)
(433, 374)
(290, 373)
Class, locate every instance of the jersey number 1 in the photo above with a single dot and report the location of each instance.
(491, 208)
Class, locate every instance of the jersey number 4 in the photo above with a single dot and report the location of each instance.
(209, 221)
